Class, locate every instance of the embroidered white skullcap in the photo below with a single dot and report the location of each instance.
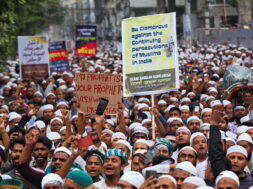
(188, 167)
(209, 98)
(50, 94)
(185, 99)
(142, 105)
(40, 124)
(227, 174)
(118, 135)
(187, 148)
(108, 131)
(58, 113)
(13, 115)
(191, 93)
(134, 178)
(245, 137)
(245, 119)
(173, 99)
(230, 139)
(51, 178)
(63, 149)
(162, 102)
(135, 124)
(170, 178)
(205, 126)
(62, 103)
(141, 129)
(212, 89)
(111, 122)
(237, 148)
(169, 107)
(215, 103)
(193, 118)
(38, 93)
(194, 135)
(141, 100)
(206, 110)
(197, 181)
(73, 117)
(180, 129)
(143, 141)
(47, 107)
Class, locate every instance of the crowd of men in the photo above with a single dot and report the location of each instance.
(200, 140)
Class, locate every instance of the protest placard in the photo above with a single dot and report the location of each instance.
(150, 60)
(90, 87)
(58, 56)
(86, 43)
(33, 57)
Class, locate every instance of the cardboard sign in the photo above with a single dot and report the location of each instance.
(90, 87)
(150, 59)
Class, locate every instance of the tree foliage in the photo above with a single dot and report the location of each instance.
(25, 17)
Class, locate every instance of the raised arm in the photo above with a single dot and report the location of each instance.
(122, 125)
(159, 124)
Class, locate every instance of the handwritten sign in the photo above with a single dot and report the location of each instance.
(33, 55)
(90, 87)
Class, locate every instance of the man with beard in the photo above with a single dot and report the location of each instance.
(239, 112)
(113, 167)
(199, 142)
(47, 112)
(41, 151)
(16, 147)
(193, 123)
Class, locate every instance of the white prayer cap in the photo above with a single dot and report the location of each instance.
(194, 135)
(215, 103)
(124, 142)
(237, 148)
(197, 181)
(141, 100)
(169, 107)
(191, 93)
(241, 129)
(203, 97)
(184, 108)
(173, 99)
(51, 178)
(141, 129)
(188, 167)
(73, 117)
(206, 110)
(209, 98)
(180, 129)
(71, 89)
(187, 147)
(135, 124)
(60, 81)
(227, 174)
(50, 94)
(118, 135)
(40, 124)
(13, 115)
(174, 119)
(134, 178)
(160, 102)
(53, 136)
(47, 107)
(63, 87)
(38, 93)
(170, 178)
(143, 141)
(63, 149)
(205, 126)
(204, 187)
(145, 121)
(193, 118)
(230, 139)
(62, 129)
(226, 102)
(142, 105)
(108, 131)
(58, 113)
(185, 99)
(126, 114)
(212, 89)
(62, 103)
(111, 122)
(245, 137)
(56, 119)
(245, 119)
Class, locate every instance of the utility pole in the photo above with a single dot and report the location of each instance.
(187, 24)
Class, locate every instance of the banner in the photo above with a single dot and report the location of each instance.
(33, 57)
(150, 59)
(90, 87)
(58, 56)
(86, 43)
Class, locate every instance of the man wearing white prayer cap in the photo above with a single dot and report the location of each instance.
(52, 180)
(187, 153)
(193, 182)
(131, 179)
(193, 123)
(227, 179)
(182, 171)
(167, 181)
(238, 157)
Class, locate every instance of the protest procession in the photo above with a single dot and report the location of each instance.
(126, 94)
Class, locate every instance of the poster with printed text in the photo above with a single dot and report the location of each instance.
(58, 56)
(33, 57)
(86, 41)
(91, 87)
(150, 59)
